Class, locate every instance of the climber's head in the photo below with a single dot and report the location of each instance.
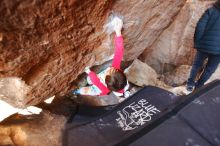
(217, 4)
(115, 80)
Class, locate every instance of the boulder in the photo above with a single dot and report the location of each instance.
(141, 74)
(145, 21)
(45, 46)
(175, 44)
(49, 43)
(38, 129)
(45, 129)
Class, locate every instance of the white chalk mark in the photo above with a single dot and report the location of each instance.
(199, 102)
(216, 99)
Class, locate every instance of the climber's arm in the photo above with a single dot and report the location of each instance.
(119, 45)
(96, 81)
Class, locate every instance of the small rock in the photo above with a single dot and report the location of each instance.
(141, 74)
(181, 90)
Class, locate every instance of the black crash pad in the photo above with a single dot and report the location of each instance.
(172, 132)
(149, 114)
(85, 114)
(206, 109)
(125, 120)
(194, 121)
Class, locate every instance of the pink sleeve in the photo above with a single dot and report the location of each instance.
(119, 52)
(96, 81)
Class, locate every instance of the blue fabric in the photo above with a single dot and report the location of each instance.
(207, 33)
(75, 92)
(211, 66)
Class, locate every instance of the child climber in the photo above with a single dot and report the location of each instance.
(112, 78)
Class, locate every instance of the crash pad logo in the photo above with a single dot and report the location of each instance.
(136, 114)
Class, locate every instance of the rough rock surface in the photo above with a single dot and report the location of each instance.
(14, 91)
(36, 130)
(48, 43)
(175, 44)
(141, 74)
(145, 21)
(178, 76)
(44, 130)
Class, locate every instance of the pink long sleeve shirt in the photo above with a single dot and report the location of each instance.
(116, 63)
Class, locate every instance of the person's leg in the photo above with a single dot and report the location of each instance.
(197, 65)
(212, 64)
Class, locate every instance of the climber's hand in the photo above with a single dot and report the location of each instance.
(87, 70)
(117, 23)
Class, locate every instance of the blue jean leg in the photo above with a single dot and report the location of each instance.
(212, 64)
(197, 65)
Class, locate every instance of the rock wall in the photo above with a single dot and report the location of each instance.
(49, 43)
(44, 130)
(175, 44)
(144, 22)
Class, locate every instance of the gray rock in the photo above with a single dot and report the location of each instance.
(141, 74)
